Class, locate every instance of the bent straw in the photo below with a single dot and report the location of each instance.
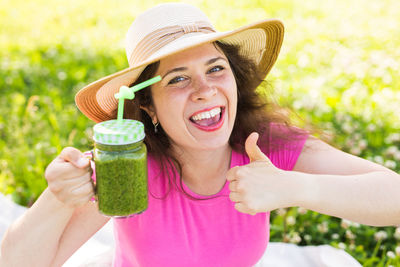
(129, 93)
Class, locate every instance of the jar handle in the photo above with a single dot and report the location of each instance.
(89, 155)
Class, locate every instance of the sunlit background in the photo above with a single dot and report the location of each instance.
(338, 69)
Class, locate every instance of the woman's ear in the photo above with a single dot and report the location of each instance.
(150, 111)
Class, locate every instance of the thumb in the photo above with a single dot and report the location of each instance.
(252, 149)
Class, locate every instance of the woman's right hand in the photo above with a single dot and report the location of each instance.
(69, 177)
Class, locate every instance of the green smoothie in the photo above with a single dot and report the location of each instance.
(121, 178)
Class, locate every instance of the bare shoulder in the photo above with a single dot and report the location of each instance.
(84, 223)
(319, 157)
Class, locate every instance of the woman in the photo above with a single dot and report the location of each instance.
(211, 184)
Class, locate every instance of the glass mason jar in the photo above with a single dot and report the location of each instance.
(120, 158)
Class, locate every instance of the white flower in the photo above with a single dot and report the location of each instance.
(355, 150)
(323, 227)
(307, 237)
(297, 104)
(349, 234)
(281, 211)
(397, 233)
(295, 238)
(391, 151)
(335, 236)
(387, 78)
(378, 159)
(350, 143)
(394, 137)
(342, 245)
(345, 223)
(371, 128)
(303, 61)
(390, 164)
(301, 210)
(61, 75)
(398, 250)
(397, 155)
(363, 144)
(380, 235)
(391, 254)
(291, 220)
(347, 127)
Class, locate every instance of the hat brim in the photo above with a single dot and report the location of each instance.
(259, 41)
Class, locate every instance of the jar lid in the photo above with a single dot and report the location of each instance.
(112, 132)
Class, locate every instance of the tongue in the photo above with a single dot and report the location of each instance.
(208, 122)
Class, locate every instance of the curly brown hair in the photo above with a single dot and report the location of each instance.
(255, 111)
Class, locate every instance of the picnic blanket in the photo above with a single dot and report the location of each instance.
(98, 250)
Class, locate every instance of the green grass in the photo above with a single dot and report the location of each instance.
(338, 69)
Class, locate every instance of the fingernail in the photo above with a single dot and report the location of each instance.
(82, 162)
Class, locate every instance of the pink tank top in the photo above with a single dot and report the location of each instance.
(178, 231)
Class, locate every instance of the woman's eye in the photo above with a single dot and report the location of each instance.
(216, 69)
(176, 80)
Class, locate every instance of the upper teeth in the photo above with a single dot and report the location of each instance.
(207, 114)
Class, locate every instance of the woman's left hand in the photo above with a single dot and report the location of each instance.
(259, 186)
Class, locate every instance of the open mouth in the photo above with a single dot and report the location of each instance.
(210, 119)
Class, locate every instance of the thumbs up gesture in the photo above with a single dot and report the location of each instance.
(253, 151)
(258, 186)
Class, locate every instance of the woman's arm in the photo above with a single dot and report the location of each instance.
(339, 184)
(49, 233)
(60, 221)
(32, 239)
(324, 179)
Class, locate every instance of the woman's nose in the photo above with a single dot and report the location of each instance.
(203, 90)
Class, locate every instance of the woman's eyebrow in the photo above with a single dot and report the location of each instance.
(174, 70)
(209, 62)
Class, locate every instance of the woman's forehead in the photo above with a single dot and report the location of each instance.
(199, 54)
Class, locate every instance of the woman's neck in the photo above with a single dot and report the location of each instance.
(204, 172)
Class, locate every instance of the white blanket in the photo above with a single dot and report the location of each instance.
(98, 251)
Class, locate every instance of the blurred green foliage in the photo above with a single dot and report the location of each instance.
(338, 69)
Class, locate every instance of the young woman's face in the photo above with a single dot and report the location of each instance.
(196, 100)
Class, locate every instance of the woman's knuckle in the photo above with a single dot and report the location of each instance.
(48, 175)
(240, 172)
(55, 187)
(241, 185)
(49, 172)
(232, 187)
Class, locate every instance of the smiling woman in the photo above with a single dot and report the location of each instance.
(254, 111)
(221, 157)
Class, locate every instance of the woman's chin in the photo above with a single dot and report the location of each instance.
(212, 142)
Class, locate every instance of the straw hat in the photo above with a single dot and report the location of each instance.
(170, 28)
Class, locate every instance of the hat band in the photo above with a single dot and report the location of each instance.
(161, 37)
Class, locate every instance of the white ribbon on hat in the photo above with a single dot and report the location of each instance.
(161, 37)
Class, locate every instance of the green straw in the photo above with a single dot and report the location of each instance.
(126, 92)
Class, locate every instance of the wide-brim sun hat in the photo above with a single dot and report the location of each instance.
(170, 28)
